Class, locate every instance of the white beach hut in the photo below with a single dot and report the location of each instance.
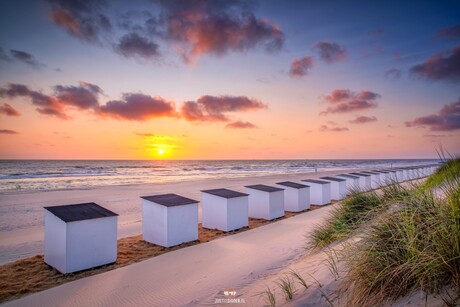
(375, 179)
(338, 187)
(352, 182)
(80, 237)
(169, 219)
(385, 176)
(296, 196)
(224, 209)
(265, 202)
(320, 191)
(364, 180)
(402, 175)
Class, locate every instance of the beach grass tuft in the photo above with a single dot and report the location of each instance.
(414, 245)
(270, 297)
(287, 287)
(296, 276)
(345, 218)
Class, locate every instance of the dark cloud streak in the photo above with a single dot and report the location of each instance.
(441, 66)
(447, 119)
(331, 52)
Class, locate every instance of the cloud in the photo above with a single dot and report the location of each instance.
(8, 131)
(84, 96)
(449, 33)
(191, 28)
(214, 108)
(47, 105)
(393, 73)
(140, 107)
(3, 56)
(133, 44)
(301, 67)
(447, 119)
(8, 110)
(241, 125)
(344, 100)
(26, 58)
(363, 119)
(441, 66)
(81, 18)
(331, 52)
(204, 27)
(325, 128)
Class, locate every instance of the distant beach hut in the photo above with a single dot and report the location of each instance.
(224, 209)
(385, 176)
(265, 202)
(401, 174)
(296, 196)
(375, 179)
(364, 180)
(80, 237)
(169, 219)
(320, 191)
(338, 187)
(352, 182)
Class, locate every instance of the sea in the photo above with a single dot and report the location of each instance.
(30, 175)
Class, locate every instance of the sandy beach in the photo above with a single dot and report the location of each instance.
(195, 275)
(246, 263)
(21, 213)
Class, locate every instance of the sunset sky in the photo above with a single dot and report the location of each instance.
(227, 79)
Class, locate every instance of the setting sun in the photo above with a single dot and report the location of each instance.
(161, 151)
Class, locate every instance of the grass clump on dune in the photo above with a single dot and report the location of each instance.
(415, 245)
(409, 240)
(345, 218)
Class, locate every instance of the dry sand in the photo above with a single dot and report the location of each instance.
(195, 275)
(21, 213)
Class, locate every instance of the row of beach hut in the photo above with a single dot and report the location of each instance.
(83, 236)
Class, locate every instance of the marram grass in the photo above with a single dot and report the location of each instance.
(410, 241)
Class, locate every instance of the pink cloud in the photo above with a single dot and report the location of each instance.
(325, 128)
(84, 96)
(344, 101)
(215, 108)
(301, 67)
(447, 119)
(45, 104)
(8, 110)
(82, 19)
(363, 119)
(241, 125)
(441, 66)
(209, 27)
(138, 107)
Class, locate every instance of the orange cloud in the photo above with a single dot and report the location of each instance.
(9, 110)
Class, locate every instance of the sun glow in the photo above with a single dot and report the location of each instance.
(161, 151)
